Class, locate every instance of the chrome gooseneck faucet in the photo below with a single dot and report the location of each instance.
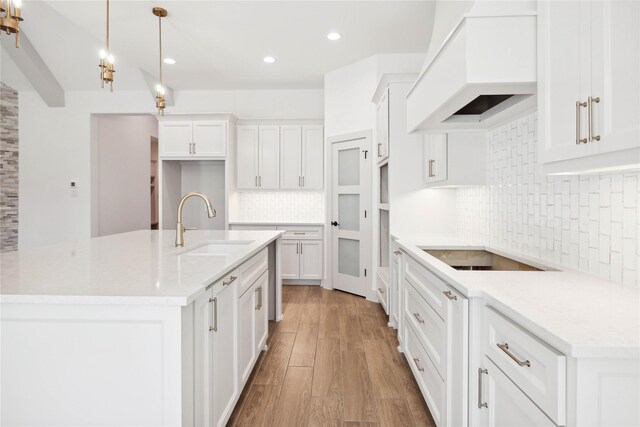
(180, 228)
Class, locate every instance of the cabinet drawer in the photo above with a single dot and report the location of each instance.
(432, 386)
(383, 293)
(430, 328)
(252, 270)
(537, 369)
(433, 290)
(222, 283)
(299, 232)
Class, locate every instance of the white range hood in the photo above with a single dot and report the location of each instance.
(484, 73)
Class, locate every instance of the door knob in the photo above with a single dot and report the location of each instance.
(335, 223)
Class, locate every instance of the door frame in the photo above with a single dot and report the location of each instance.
(367, 136)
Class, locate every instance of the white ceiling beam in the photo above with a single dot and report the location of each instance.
(34, 69)
(151, 84)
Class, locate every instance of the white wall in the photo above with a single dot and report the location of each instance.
(56, 147)
(123, 156)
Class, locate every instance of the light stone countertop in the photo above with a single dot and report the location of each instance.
(140, 267)
(578, 314)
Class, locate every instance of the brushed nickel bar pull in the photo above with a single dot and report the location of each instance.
(578, 139)
(260, 288)
(297, 250)
(418, 317)
(416, 360)
(194, 148)
(397, 252)
(303, 181)
(300, 248)
(260, 180)
(590, 103)
(481, 404)
(450, 295)
(381, 290)
(431, 174)
(258, 304)
(505, 347)
(256, 180)
(214, 328)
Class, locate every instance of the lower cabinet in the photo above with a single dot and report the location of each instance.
(302, 259)
(506, 405)
(230, 328)
(215, 357)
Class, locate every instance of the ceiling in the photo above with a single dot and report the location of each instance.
(220, 44)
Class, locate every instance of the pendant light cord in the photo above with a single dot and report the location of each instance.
(107, 27)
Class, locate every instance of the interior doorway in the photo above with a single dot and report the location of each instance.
(351, 212)
(124, 179)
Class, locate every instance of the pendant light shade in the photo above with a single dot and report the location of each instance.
(10, 17)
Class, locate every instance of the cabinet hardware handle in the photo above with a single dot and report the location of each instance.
(260, 180)
(590, 103)
(397, 252)
(450, 295)
(379, 146)
(481, 404)
(303, 181)
(416, 360)
(299, 181)
(297, 250)
(214, 328)
(431, 174)
(300, 248)
(505, 347)
(578, 139)
(381, 290)
(258, 304)
(299, 233)
(231, 280)
(256, 180)
(418, 317)
(261, 299)
(194, 148)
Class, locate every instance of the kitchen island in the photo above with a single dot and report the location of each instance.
(130, 330)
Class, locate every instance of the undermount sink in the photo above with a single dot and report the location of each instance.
(221, 247)
(481, 260)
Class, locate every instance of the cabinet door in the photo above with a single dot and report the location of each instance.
(615, 75)
(506, 404)
(290, 263)
(262, 311)
(311, 259)
(246, 334)
(563, 78)
(290, 157)
(247, 162)
(203, 320)
(175, 139)
(223, 351)
(210, 138)
(269, 158)
(312, 157)
(382, 122)
(435, 157)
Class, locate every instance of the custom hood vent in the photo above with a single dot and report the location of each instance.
(484, 72)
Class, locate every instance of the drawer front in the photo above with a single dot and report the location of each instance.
(432, 289)
(383, 294)
(537, 369)
(299, 232)
(432, 386)
(228, 279)
(430, 328)
(252, 270)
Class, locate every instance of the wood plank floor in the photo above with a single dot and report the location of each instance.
(332, 361)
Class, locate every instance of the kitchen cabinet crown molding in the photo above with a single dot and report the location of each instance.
(391, 78)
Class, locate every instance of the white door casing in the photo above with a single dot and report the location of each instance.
(351, 159)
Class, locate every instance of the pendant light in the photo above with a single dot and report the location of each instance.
(160, 90)
(107, 69)
(10, 17)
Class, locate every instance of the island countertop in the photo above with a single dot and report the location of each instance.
(140, 267)
(580, 315)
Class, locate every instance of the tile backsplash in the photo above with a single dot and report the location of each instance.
(280, 206)
(589, 223)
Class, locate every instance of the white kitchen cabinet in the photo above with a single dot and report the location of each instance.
(504, 404)
(216, 385)
(455, 159)
(291, 157)
(193, 139)
(290, 259)
(301, 157)
(258, 164)
(311, 259)
(588, 85)
(261, 290)
(382, 127)
(246, 334)
(312, 157)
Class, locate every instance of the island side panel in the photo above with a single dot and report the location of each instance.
(90, 364)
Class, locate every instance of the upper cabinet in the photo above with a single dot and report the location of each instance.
(483, 74)
(288, 157)
(193, 139)
(382, 127)
(588, 85)
(455, 160)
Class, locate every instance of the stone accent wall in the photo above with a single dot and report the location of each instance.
(8, 168)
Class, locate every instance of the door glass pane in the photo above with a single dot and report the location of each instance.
(349, 166)
(349, 257)
(348, 208)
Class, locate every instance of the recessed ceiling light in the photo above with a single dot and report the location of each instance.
(334, 36)
(169, 61)
(269, 59)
